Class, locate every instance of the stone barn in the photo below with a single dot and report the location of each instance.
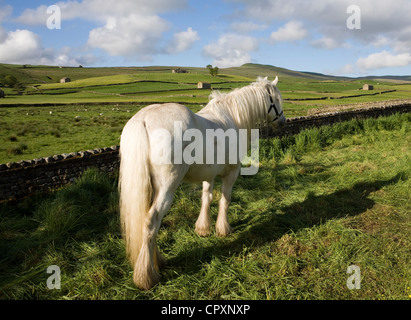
(368, 87)
(204, 85)
(1, 93)
(65, 79)
(179, 70)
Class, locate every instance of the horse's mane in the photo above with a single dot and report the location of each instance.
(245, 106)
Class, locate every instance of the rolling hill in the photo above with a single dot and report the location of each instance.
(253, 70)
(40, 85)
(28, 74)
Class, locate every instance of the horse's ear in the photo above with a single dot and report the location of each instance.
(266, 78)
(275, 81)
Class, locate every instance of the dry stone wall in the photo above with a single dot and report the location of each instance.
(20, 179)
(295, 125)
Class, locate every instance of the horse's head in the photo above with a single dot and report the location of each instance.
(275, 114)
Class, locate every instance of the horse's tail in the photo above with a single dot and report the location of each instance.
(134, 185)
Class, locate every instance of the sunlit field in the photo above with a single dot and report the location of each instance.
(323, 200)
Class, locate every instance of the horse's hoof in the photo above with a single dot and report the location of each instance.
(203, 232)
(224, 232)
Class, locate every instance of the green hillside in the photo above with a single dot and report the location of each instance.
(40, 85)
(29, 74)
(253, 70)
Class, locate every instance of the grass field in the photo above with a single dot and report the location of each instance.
(33, 132)
(47, 117)
(322, 200)
(135, 85)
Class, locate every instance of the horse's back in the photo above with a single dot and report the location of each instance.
(165, 115)
(166, 125)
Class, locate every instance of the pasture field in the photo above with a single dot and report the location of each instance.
(43, 117)
(34, 132)
(323, 200)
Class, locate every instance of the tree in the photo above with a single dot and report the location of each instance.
(10, 81)
(213, 71)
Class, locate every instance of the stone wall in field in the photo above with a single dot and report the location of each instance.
(295, 125)
(20, 179)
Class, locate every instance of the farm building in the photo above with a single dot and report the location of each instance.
(179, 70)
(368, 87)
(204, 85)
(65, 79)
(1, 93)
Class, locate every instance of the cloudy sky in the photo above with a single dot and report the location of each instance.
(327, 36)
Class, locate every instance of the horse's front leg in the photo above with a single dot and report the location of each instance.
(222, 226)
(203, 223)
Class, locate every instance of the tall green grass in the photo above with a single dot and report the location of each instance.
(314, 139)
(322, 200)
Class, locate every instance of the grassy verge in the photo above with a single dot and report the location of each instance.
(322, 200)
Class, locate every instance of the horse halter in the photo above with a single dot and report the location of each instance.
(273, 106)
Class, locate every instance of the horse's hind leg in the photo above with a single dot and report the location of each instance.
(222, 226)
(203, 223)
(146, 269)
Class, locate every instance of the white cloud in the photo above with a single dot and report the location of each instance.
(401, 40)
(380, 20)
(231, 50)
(132, 36)
(97, 10)
(329, 43)
(5, 12)
(20, 45)
(131, 29)
(378, 15)
(325, 43)
(25, 47)
(246, 27)
(291, 31)
(3, 34)
(381, 41)
(183, 41)
(384, 59)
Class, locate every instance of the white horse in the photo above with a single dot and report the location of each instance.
(147, 186)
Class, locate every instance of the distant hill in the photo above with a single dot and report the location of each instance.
(253, 70)
(387, 78)
(28, 74)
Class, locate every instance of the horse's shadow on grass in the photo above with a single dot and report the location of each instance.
(276, 222)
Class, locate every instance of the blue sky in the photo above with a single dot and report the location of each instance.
(295, 34)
